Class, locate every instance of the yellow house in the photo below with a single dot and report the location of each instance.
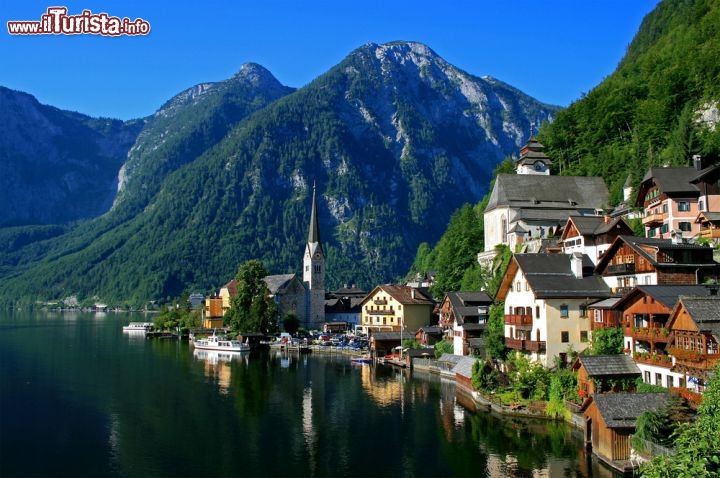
(390, 307)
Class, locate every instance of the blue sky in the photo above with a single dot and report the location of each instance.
(553, 50)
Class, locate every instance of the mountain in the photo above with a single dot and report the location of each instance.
(659, 107)
(394, 138)
(57, 166)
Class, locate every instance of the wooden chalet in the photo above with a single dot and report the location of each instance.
(605, 373)
(633, 260)
(610, 422)
(709, 225)
(695, 326)
(604, 314)
(646, 312)
(464, 316)
(592, 235)
(429, 335)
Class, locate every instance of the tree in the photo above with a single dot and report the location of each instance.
(443, 347)
(252, 309)
(291, 324)
(697, 444)
(607, 341)
(495, 332)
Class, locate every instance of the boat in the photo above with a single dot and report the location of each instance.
(360, 359)
(220, 342)
(138, 327)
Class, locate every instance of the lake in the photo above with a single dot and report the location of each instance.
(80, 397)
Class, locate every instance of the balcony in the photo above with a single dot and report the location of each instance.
(526, 345)
(380, 312)
(652, 220)
(518, 319)
(621, 269)
(709, 234)
(380, 302)
(653, 359)
(650, 334)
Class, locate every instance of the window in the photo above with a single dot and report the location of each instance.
(537, 311)
(527, 286)
(564, 311)
(583, 310)
(683, 206)
(564, 336)
(701, 205)
(518, 286)
(685, 226)
(647, 377)
(658, 379)
(665, 209)
(583, 336)
(670, 381)
(664, 228)
(598, 316)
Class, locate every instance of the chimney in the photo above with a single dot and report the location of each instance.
(576, 264)
(697, 161)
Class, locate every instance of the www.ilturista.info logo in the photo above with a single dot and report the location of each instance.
(57, 22)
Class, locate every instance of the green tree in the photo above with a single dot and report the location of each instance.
(696, 444)
(607, 341)
(291, 324)
(443, 347)
(484, 376)
(252, 309)
(495, 332)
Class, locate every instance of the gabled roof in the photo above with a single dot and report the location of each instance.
(465, 304)
(404, 294)
(543, 192)
(431, 329)
(642, 245)
(608, 365)
(704, 311)
(277, 283)
(666, 295)
(464, 366)
(595, 225)
(673, 180)
(450, 358)
(551, 276)
(621, 410)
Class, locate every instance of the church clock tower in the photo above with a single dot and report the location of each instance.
(314, 272)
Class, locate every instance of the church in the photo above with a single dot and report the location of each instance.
(305, 298)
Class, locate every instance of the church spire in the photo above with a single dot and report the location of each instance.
(314, 232)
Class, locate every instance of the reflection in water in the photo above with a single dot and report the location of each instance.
(385, 390)
(217, 365)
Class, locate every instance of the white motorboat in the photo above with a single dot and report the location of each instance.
(138, 327)
(220, 342)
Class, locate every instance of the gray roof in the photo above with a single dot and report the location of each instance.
(464, 366)
(667, 295)
(621, 410)
(277, 282)
(595, 225)
(465, 304)
(700, 255)
(603, 365)
(705, 312)
(431, 329)
(673, 180)
(387, 336)
(450, 358)
(541, 192)
(550, 276)
(605, 303)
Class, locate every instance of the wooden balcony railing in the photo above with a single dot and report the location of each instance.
(527, 345)
(380, 312)
(652, 219)
(650, 334)
(621, 269)
(518, 319)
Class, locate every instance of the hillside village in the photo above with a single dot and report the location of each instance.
(577, 268)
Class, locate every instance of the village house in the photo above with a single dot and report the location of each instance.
(464, 315)
(342, 306)
(610, 421)
(546, 300)
(592, 235)
(633, 260)
(695, 327)
(672, 197)
(605, 373)
(529, 206)
(645, 315)
(395, 308)
(429, 335)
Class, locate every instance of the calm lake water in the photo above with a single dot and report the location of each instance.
(79, 397)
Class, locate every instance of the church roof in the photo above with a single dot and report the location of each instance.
(528, 191)
(314, 231)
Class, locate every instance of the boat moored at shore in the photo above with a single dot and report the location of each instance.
(140, 327)
(221, 343)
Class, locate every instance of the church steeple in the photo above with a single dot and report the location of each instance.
(314, 232)
(314, 271)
